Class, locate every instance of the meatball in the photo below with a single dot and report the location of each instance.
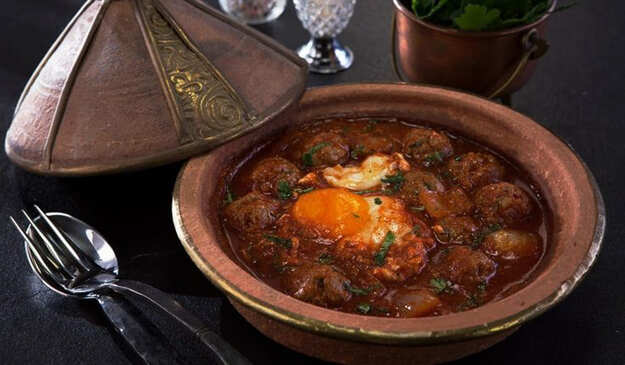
(451, 202)
(318, 284)
(252, 212)
(455, 230)
(502, 203)
(512, 244)
(427, 146)
(473, 170)
(364, 144)
(415, 302)
(465, 266)
(323, 149)
(270, 173)
(416, 181)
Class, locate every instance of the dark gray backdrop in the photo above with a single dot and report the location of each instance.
(578, 91)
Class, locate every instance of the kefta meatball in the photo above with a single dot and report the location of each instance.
(464, 266)
(473, 170)
(252, 212)
(460, 230)
(416, 181)
(323, 149)
(365, 144)
(272, 174)
(502, 203)
(317, 284)
(427, 146)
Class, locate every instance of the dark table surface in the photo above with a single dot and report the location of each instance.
(578, 91)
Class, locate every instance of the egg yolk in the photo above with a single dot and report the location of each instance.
(339, 211)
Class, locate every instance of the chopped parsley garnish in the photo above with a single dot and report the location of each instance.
(304, 191)
(458, 158)
(365, 192)
(417, 144)
(356, 290)
(428, 186)
(229, 196)
(396, 181)
(479, 238)
(432, 158)
(284, 190)
(355, 215)
(416, 230)
(471, 302)
(307, 157)
(358, 151)
(440, 285)
(418, 208)
(380, 257)
(370, 125)
(481, 287)
(364, 308)
(326, 258)
(284, 242)
(377, 201)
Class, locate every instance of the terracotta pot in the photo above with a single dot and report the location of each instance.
(568, 188)
(480, 62)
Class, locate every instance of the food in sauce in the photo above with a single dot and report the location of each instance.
(383, 218)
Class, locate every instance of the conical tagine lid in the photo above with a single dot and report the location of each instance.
(132, 84)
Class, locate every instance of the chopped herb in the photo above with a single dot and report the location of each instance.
(471, 302)
(481, 287)
(365, 192)
(326, 258)
(433, 158)
(381, 309)
(458, 158)
(418, 208)
(357, 151)
(428, 186)
(370, 125)
(416, 230)
(229, 196)
(479, 238)
(380, 257)
(282, 268)
(284, 190)
(304, 191)
(396, 181)
(355, 215)
(441, 285)
(356, 290)
(307, 157)
(284, 242)
(446, 174)
(364, 308)
(377, 201)
(417, 144)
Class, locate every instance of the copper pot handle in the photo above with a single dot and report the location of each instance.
(534, 47)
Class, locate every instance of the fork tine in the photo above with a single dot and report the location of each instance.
(69, 247)
(50, 247)
(32, 247)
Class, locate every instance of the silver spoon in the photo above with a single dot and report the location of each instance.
(92, 265)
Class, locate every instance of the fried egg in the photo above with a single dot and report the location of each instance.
(349, 216)
(368, 174)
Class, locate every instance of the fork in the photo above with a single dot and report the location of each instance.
(63, 261)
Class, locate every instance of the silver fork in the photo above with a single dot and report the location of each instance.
(89, 269)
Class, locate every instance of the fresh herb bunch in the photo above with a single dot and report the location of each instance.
(479, 15)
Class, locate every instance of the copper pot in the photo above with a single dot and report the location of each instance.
(493, 64)
(567, 186)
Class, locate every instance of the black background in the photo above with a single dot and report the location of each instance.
(577, 91)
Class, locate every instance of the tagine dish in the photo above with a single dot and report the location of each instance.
(383, 218)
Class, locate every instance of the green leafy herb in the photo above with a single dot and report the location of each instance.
(471, 302)
(440, 285)
(479, 237)
(356, 290)
(371, 125)
(284, 190)
(358, 151)
(304, 191)
(481, 15)
(307, 157)
(355, 215)
(377, 201)
(458, 158)
(417, 230)
(417, 144)
(229, 196)
(284, 242)
(380, 256)
(365, 192)
(433, 158)
(481, 287)
(364, 308)
(396, 181)
(326, 258)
